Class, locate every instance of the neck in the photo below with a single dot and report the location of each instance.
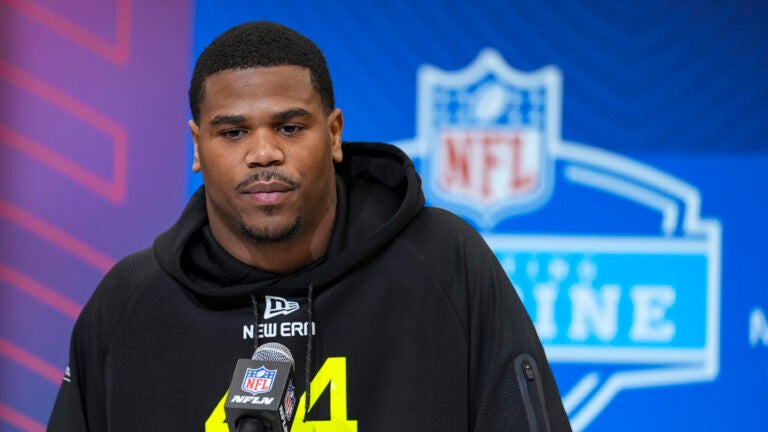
(281, 257)
(284, 258)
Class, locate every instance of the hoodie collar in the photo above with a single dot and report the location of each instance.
(379, 193)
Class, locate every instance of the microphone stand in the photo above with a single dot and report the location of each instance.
(252, 424)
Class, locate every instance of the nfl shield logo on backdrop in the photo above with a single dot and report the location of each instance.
(488, 147)
(258, 380)
(491, 132)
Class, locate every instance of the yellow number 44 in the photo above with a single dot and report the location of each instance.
(333, 376)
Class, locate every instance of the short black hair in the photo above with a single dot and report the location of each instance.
(260, 44)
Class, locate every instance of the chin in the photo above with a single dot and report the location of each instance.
(271, 233)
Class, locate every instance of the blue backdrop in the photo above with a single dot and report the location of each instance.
(637, 245)
(613, 154)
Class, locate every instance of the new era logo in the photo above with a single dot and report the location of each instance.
(278, 306)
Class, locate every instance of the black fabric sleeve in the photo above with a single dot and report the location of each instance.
(502, 338)
(81, 402)
(82, 388)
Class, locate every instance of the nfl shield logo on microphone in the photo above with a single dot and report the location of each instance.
(259, 380)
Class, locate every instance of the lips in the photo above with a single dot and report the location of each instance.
(266, 187)
(267, 192)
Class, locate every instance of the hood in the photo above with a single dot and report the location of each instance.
(379, 193)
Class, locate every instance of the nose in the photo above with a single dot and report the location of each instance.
(264, 150)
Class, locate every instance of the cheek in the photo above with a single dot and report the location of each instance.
(217, 165)
(217, 178)
(321, 167)
(325, 183)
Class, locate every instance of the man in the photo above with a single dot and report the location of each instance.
(399, 315)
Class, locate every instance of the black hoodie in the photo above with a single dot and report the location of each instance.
(407, 323)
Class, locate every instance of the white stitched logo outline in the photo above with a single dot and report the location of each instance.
(278, 306)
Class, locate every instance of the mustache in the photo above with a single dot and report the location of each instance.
(265, 176)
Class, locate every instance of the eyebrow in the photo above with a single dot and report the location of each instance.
(235, 119)
(291, 113)
(227, 120)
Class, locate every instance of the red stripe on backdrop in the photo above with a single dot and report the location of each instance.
(19, 420)
(56, 236)
(56, 161)
(40, 292)
(116, 53)
(113, 189)
(31, 362)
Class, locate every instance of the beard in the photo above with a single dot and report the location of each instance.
(270, 234)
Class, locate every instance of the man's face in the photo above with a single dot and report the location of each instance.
(266, 151)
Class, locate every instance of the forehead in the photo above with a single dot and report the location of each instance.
(258, 88)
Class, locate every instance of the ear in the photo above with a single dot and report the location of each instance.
(194, 129)
(335, 127)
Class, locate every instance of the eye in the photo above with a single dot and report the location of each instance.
(233, 133)
(289, 129)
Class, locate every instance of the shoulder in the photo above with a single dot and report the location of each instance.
(443, 240)
(461, 263)
(132, 268)
(116, 293)
(439, 227)
(126, 279)
(447, 242)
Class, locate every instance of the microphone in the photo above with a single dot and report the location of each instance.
(262, 393)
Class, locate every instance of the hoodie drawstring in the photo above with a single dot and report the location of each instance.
(311, 333)
(255, 323)
(308, 363)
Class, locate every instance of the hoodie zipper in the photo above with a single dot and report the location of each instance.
(532, 393)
